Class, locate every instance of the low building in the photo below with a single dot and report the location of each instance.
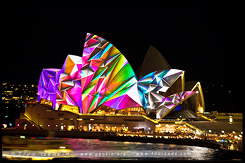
(44, 116)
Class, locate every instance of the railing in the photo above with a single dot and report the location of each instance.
(136, 115)
(193, 127)
(207, 118)
(29, 119)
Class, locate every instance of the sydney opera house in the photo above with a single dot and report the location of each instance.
(100, 90)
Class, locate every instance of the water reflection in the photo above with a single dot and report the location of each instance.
(95, 149)
(131, 150)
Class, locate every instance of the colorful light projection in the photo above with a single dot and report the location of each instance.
(103, 76)
(107, 77)
(167, 104)
(154, 83)
(69, 90)
(48, 85)
(150, 87)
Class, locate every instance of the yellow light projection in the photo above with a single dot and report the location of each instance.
(70, 108)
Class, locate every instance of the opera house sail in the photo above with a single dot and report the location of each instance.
(102, 76)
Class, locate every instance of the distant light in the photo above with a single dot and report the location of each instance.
(18, 124)
(10, 124)
(33, 125)
(62, 147)
(89, 127)
(22, 137)
(209, 131)
(197, 91)
(91, 119)
(48, 125)
(25, 124)
(230, 119)
(6, 116)
(198, 132)
(223, 131)
(159, 125)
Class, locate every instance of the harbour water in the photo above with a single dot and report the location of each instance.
(54, 148)
(95, 149)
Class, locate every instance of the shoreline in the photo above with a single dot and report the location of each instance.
(109, 136)
(224, 154)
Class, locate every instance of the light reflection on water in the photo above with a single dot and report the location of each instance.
(197, 153)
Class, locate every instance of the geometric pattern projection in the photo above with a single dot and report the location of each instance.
(155, 82)
(169, 103)
(107, 77)
(69, 90)
(62, 86)
(103, 76)
(48, 85)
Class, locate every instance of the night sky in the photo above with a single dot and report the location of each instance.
(201, 38)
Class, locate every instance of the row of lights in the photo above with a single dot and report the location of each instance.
(224, 131)
(25, 125)
(40, 125)
(55, 125)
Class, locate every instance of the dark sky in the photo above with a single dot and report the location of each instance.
(200, 38)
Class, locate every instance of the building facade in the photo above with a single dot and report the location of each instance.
(42, 116)
(99, 91)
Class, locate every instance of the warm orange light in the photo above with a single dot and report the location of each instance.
(70, 108)
(47, 102)
(70, 127)
(200, 109)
